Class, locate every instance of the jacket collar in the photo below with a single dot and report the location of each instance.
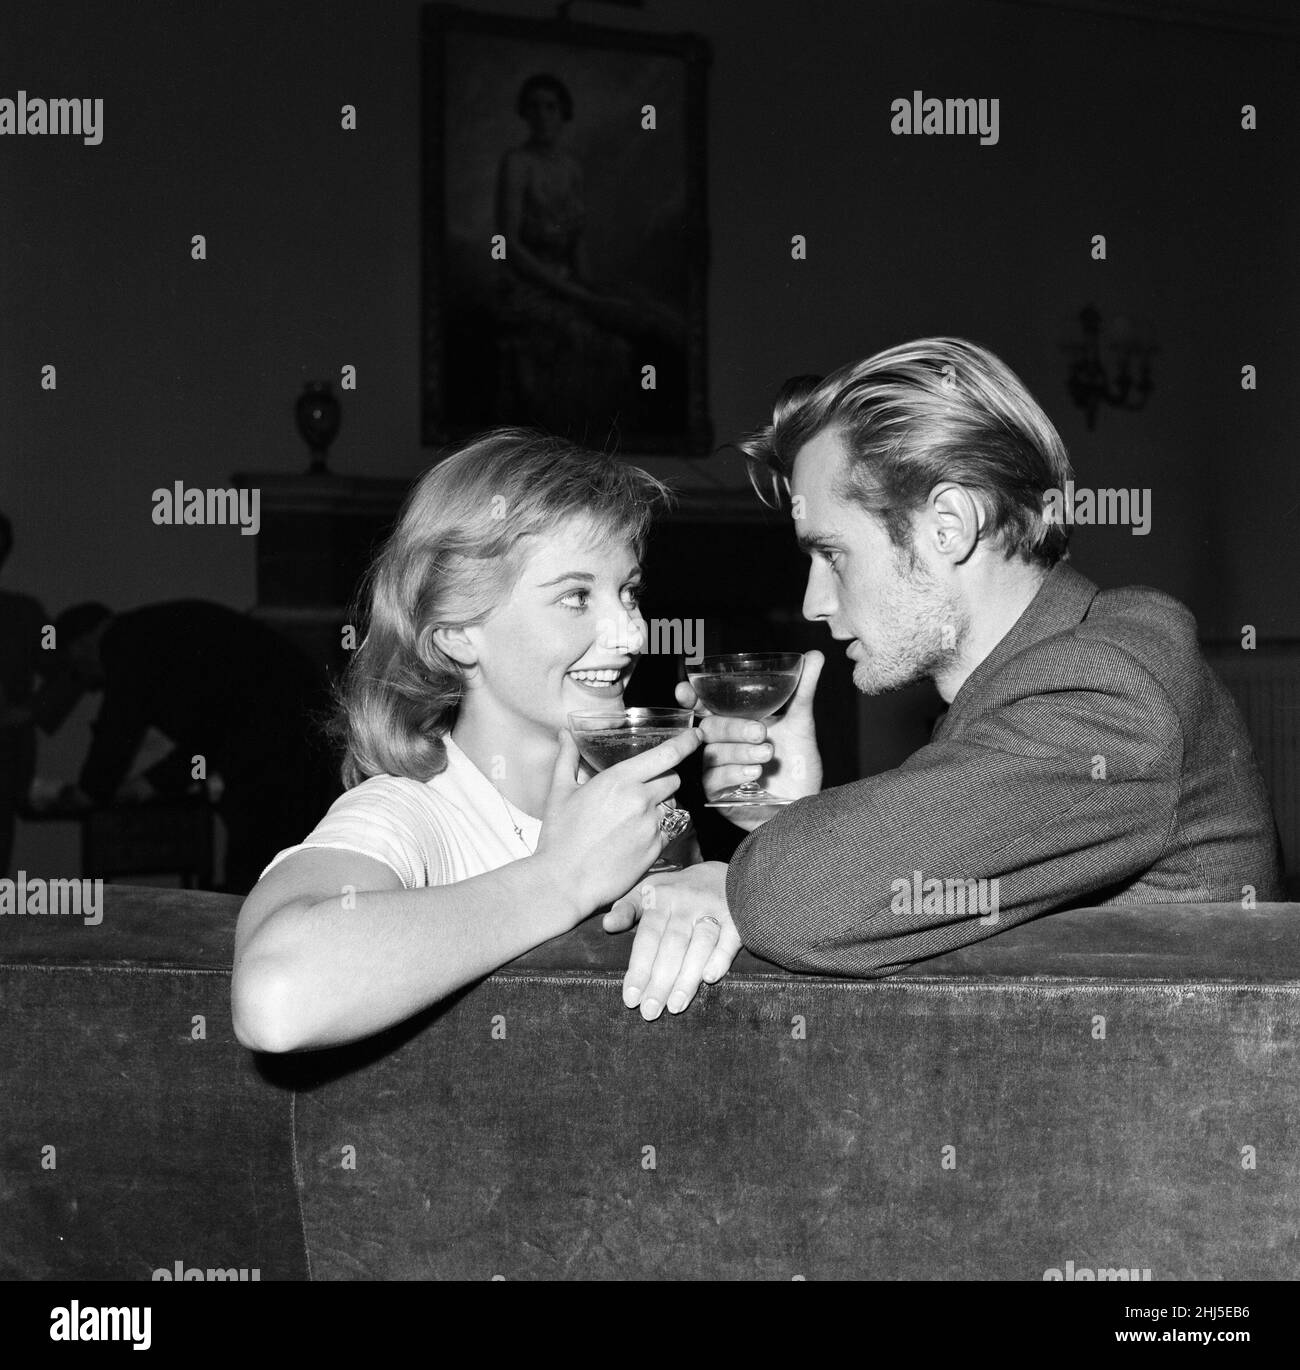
(1062, 602)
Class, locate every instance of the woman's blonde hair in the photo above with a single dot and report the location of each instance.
(453, 557)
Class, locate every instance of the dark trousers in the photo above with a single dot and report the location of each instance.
(17, 766)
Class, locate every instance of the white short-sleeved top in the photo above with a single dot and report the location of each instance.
(430, 832)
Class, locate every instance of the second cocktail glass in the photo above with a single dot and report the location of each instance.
(752, 685)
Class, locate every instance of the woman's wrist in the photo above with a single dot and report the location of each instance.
(555, 885)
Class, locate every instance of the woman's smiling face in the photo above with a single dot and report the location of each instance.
(568, 636)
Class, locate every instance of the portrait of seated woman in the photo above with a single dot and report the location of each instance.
(470, 831)
(569, 344)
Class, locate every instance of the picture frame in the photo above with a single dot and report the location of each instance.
(564, 232)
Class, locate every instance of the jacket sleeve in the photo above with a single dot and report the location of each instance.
(1063, 790)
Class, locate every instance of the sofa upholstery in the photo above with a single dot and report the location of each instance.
(1111, 1088)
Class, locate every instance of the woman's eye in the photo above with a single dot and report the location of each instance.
(581, 599)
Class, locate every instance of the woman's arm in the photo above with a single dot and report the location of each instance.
(330, 948)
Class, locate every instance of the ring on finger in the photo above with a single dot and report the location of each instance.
(708, 918)
(673, 821)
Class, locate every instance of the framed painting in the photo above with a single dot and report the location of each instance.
(564, 232)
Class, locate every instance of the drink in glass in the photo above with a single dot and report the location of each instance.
(752, 685)
(612, 735)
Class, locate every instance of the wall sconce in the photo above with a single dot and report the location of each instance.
(1089, 383)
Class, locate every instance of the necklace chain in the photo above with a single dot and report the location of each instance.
(510, 818)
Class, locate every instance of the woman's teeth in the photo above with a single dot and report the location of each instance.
(606, 677)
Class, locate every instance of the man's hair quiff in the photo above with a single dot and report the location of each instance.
(918, 415)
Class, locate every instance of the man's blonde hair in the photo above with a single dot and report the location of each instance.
(914, 416)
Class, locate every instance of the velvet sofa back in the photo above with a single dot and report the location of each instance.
(137, 1132)
(1103, 1093)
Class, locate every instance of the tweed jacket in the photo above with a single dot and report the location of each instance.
(1092, 758)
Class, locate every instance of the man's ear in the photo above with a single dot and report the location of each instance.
(456, 644)
(957, 520)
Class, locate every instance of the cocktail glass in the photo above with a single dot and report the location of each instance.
(752, 685)
(612, 735)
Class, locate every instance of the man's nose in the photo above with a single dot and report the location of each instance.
(819, 599)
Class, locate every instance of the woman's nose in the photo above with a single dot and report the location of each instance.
(622, 633)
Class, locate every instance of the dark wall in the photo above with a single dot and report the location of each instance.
(224, 120)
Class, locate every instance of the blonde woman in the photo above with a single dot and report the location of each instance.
(505, 598)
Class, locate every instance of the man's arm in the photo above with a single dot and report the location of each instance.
(1064, 791)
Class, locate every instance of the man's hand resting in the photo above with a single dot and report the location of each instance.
(685, 935)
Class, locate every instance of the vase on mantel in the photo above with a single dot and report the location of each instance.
(318, 416)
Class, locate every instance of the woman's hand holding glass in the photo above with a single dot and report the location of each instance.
(601, 834)
(738, 750)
